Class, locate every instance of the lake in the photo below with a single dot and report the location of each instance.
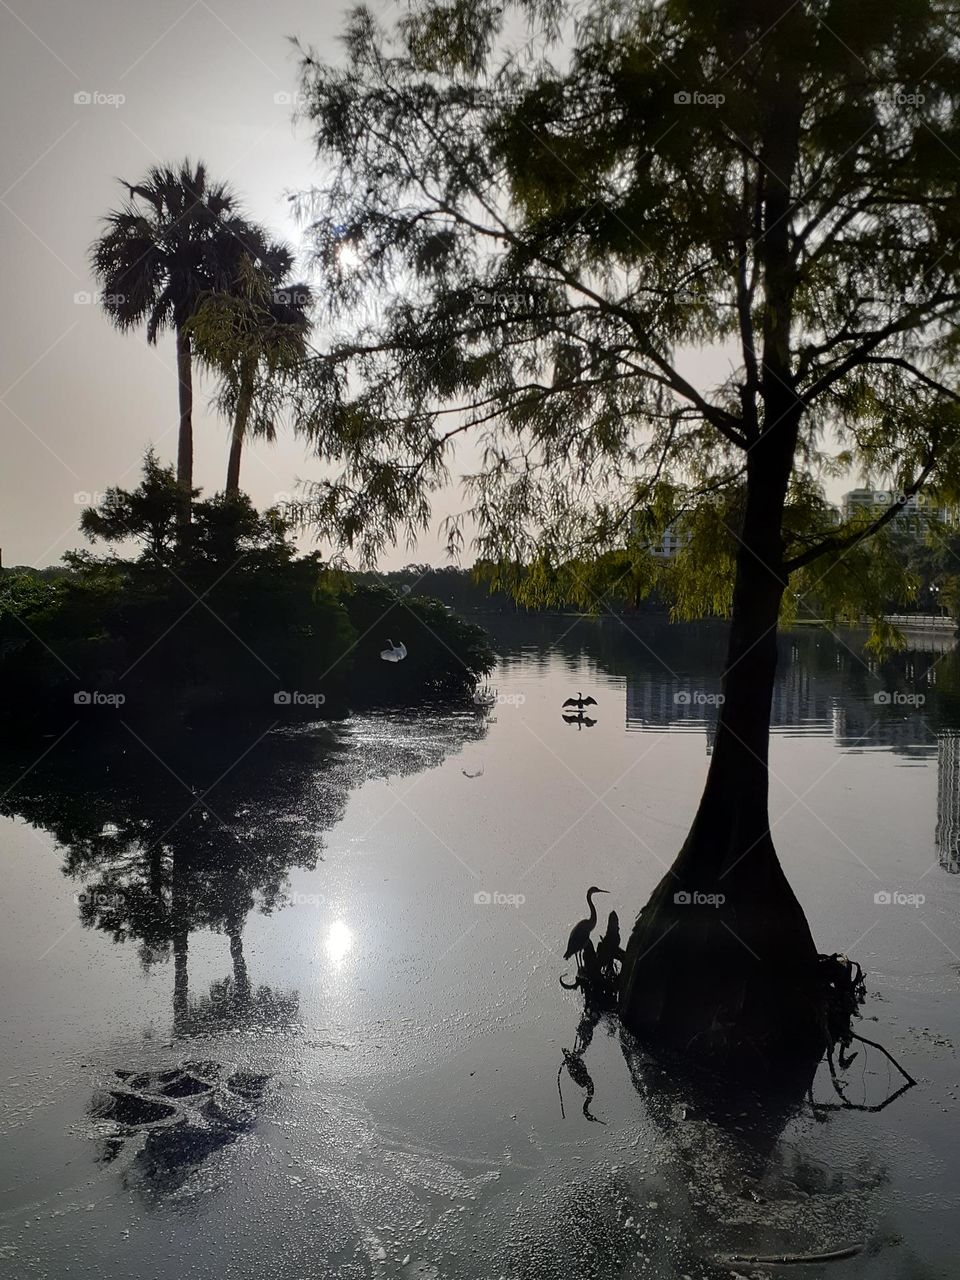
(288, 1004)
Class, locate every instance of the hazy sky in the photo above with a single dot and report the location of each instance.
(80, 402)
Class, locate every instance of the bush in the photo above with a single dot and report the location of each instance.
(446, 656)
(219, 622)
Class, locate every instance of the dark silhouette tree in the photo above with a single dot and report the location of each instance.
(549, 239)
(176, 238)
(145, 515)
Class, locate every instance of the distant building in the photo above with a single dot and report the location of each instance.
(670, 543)
(948, 801)
(918, 510)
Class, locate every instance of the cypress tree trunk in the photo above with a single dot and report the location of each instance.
(736, 976)
(185, 438)
(721, 960)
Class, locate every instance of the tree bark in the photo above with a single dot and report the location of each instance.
(733, 973)
(721, 960)
(233, 464)
(240, 420)
(185, 438)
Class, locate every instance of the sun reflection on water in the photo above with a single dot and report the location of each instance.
(339, 941)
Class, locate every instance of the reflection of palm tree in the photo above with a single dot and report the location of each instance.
(156, 864)
(226, 1008)
(233, 1003)
(181, 981)
(241, 979)
(158, 860)
(178, 236)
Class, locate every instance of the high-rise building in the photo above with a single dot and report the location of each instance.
(948, 801)
(917, 511)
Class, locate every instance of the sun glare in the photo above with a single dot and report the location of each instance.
(339, 941)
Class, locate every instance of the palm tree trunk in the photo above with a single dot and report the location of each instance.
(240, 420)
(233, 463)
(185, 438)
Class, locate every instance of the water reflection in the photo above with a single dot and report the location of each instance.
(579, 719)
(827, 686)
(737, 1184)
(186, 835)
(192, 866)
(823, 689)
(160, 1126)
(194, 832)
(179, 836)
(743, 1170)
(339, 941)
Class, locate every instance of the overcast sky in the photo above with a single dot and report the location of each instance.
(80, 402)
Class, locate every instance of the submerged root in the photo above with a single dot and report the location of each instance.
(789, 1259)
(598, 970)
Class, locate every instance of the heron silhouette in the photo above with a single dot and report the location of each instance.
(580, 701)
(581, 931)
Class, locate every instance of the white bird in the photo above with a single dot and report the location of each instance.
(394, 652)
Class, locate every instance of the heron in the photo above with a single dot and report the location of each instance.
(394, 652)
(580, 933)
(580, 701)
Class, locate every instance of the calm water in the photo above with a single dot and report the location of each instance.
(337, 1059)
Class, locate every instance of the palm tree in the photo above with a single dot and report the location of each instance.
(177, 237)
(254, 334)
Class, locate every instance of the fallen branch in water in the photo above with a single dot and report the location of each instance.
(789, 1259)
(863, 1040)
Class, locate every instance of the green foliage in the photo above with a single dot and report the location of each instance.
(146, 514)
(548, 238)
(254, 335)
(464, 590)
(215, 622)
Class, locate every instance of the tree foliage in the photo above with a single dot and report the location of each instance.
(215, 623)
(553, 250)
(177, 236)
(253, 335)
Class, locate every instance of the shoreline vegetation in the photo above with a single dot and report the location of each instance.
(228, 621)
(231, 621)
